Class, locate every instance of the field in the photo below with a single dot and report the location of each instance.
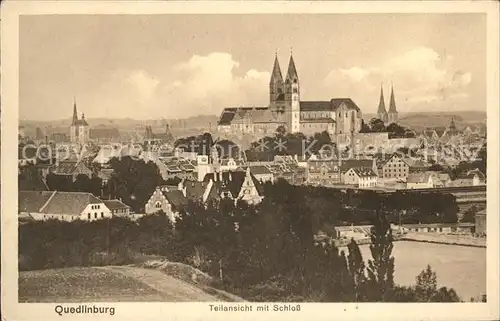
(101, 284)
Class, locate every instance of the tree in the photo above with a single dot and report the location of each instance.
(365, 128)
(381, 266)
(357, 270)
(82, 184)
(377, 125)
(426, 288)
(281, 131)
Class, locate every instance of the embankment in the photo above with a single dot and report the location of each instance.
(451, 239)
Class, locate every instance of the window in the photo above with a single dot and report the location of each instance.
(88, 216)
(95, 215)
(102, 215)
(158, 205)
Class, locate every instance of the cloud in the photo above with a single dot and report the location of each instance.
(206, 84)
(143, 83)
(355, 73)
(419, 75)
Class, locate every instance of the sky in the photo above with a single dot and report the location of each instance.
(176, 66)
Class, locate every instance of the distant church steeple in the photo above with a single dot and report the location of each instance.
(382, 112)
(276, 82)
(393, 113)
(291, 75)
(75, 113)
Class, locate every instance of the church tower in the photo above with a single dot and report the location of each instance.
(393, 113)
(382, 113)
(79, 129)
(276, 83)
(292, 98)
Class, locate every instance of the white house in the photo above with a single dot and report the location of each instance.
(427, 179)
(64, 206)
(360, 176)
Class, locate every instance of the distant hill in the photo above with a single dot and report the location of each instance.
(193, 124)
(419, 121)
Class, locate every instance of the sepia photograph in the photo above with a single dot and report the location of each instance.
(251, 161)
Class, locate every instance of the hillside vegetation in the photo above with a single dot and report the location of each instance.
(114, 283)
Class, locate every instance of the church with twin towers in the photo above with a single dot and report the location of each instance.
(340, 117)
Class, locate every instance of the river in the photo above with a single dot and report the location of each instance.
(461, 267)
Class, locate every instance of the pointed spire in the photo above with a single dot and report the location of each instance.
(381, 104)
(392, 104)
(276, 75)
(75, 114)
(452, 124)
(292, 71)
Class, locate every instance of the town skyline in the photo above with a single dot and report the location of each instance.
(144, 66)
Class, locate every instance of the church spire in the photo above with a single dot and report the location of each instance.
(291, 75)
(276, 76)
(75, 114)
(381, 104)
(392, 104)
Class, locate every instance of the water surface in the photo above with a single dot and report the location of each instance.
(460, 267)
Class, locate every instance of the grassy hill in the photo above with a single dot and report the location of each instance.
(145, 283)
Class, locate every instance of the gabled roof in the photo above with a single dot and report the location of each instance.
(355, 163)
(228, 181)
(471, 173)
(69, 203)
(330, 166)
(259, 170)
(422, 177)
(316, 106)
(364, 172)
(68, 167)
(115, 204)
(195, 190)
(176, 198)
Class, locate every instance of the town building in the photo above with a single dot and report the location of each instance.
(167, 201)
(347, 164)
(238, 185)
(64, 206)
(394, 167)
(79, 130)
(427, 179)
(117, 207)
(262, 173)
(338, 116)
(444, 228)
(480, 222)
(361, 177)
(323, 172)
(71, 169)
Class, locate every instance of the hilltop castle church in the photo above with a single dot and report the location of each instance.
(338, 116)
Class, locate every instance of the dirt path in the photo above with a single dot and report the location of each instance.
(174, 289)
